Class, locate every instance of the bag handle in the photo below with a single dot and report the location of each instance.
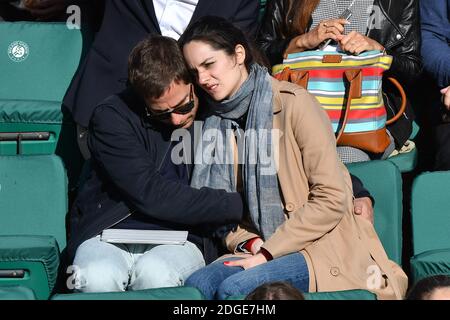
(301, 77)
(403, 96)
(354, 77)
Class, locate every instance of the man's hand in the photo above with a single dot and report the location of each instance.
(363, 207)
(446, 97)
(247, 263)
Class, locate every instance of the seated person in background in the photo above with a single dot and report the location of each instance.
(292, 26)
(431, 288)
(275, 291)
(135, 183)
(435, 23)
(300, 225)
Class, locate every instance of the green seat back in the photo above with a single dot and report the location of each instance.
(175, 293)
(384, 182)
(336, 295)
(407, 162)
(430, 263)
(33, 196)
(341, 295)
(16, 293)
(37, 64)
(44, 69)
(36, 257)
(33, 207)
(430, 211)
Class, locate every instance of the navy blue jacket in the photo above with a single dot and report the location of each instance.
(127, 154)
(125, 23)
(435, 24)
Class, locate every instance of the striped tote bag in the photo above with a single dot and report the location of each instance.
(349, 89)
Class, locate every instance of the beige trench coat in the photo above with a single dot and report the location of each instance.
(342, 250)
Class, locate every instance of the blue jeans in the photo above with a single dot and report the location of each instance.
(104, 267)
(218, 281)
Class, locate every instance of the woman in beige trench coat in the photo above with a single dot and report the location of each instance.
(300, 226)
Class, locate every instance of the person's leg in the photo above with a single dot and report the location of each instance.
(390, 148)
(165, 266)
(291, 268)
(350, 154)
(101, 267)
(208, 279)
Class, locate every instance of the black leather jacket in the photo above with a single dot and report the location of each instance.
(398, 30)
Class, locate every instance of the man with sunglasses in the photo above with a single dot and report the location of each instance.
(134, 184)
(176, 115)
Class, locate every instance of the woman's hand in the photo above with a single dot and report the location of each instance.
(326, 29)
(247, 263)
(446, 97)
(355, 43)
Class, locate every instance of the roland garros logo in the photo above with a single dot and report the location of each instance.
(18, 51)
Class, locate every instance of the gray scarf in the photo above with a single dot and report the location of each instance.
(216, 170)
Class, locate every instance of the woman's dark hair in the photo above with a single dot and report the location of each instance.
(153, 64)
(300, 12)
(221, 34)
(423, 289)
(279, 290)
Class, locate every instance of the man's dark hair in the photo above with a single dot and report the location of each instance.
(424, 288)
(279, 290)
(153, 64)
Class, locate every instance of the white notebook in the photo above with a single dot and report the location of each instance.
(144, 236)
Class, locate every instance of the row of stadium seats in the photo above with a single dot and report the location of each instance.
(177, 293)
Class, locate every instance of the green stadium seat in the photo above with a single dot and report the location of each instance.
(407, 162)
(341, 295)
(175, 293)
(430, 218)
(16, 293)
(337, 295)
(33, 207)
(430, 263)
(38, 63)
(383, 180)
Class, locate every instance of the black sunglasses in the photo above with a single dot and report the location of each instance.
(183, 109)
